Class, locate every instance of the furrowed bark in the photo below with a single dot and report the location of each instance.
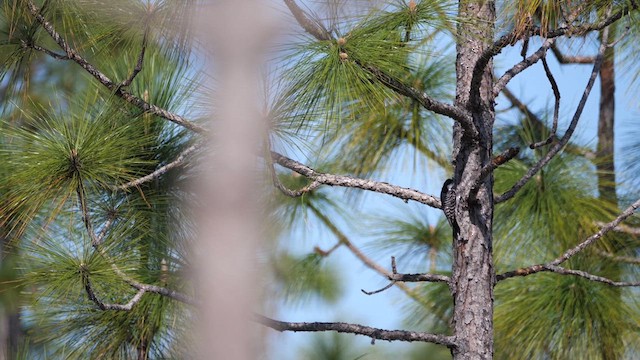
(473, 275)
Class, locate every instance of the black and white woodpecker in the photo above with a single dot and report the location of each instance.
(448, 201)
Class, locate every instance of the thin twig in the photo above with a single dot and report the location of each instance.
(573, 251)
(578, 30)
(586, 275)
(379, 290)
(572, 126)
(373, 333)
(51, 53)
(515, 70)
(556, 107)
(179, 161)
(624, 259)
(536, 121)
(566, 59)
(107, 306)
(353, 182)
(139, 63)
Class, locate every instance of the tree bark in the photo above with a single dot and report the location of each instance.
(605, 151)
(606, 167)
(473, 275)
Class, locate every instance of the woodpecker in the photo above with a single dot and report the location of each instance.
(448, 200)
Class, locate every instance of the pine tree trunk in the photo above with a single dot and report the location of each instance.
(473, 274)
(606, 167)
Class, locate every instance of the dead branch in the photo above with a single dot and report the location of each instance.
(556, 107)
(373, 333)
(572, 126)
(573, 251)
(353, 182)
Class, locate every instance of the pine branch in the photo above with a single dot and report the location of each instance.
(572, 126)
(373, 333)
(429, 103)
(139, 63)
(344, 240)
(179, 161)
(96, 242)
(118, 90)
(405, 194)
(573, 251)
(107, 306)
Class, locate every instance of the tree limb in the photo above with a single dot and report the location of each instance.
(353, 182)
(565, 59)
(96, 242)
(319, 32)
(373, 333)
(539, 124)
(556, 107)
(573, 251)
(139, 63)
(511, 73)
(73, 55)
(315, 28)
(572, 126)
(508, 39)
(107, 306)
(179, 161)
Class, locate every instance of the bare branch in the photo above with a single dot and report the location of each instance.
(566, 59)
(539, 124)
(497, 161)
(586, 275)
(556, 107)
(51, 53)
(572, 126)
(624, 259)
(353, 182)
(379, 290)
(419, 278)
(578, 30)
(139, 63)
(106, 306)
(315, 28)
(573, 251)
(179, 161)
(373, 333)
(509, 74)
(73, 55)
(624, 229)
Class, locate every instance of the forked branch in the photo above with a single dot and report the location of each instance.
(572, 126)
(554, 264)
